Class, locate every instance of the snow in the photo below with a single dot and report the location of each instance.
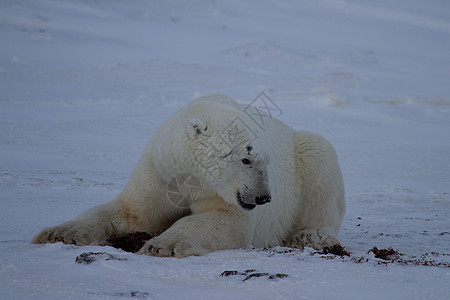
(84, 84)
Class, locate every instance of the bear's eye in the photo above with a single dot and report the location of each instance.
(246, 161)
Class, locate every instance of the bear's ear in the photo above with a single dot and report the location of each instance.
(199, 126)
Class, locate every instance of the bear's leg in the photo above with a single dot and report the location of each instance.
(90, 228)
(320, 193)
(216, 226)
(115, 218)
(141, 206)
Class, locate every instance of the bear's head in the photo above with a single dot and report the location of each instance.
(223, 150)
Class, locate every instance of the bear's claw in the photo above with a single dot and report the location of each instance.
(165, 248)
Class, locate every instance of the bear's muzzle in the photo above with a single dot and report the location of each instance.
(259, 200)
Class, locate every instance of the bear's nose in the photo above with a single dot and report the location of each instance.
(262, 200)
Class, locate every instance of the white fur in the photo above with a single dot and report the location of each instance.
(299, 169)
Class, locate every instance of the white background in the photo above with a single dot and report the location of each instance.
(84, 84)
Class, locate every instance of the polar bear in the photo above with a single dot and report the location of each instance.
(258, 184)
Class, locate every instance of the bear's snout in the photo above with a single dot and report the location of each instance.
(259, 200)
(262, 200)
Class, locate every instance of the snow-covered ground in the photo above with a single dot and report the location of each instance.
(84, 84)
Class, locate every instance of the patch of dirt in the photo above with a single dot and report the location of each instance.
(89, 257)
(335, 250)
(382, 256)
(253, 274)
(133, 294)
(275, 276)
(229, 273)
(391, 256)
(256, 275)
(385, 254)
(132, 242)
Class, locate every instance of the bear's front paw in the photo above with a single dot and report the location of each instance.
(68, 233)
(317, 238)
(165, 246)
